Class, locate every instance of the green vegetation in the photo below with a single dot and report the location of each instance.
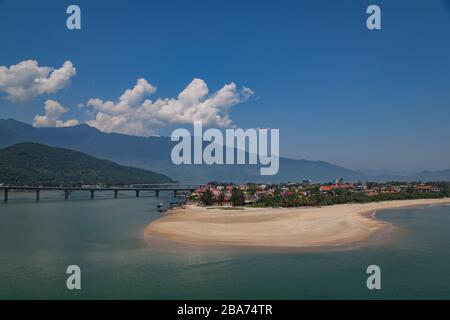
(291, 194)
(207, 198)
(35, 164)
(237, 197)
(316, 198)
(220, 199)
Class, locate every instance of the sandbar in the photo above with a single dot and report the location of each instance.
(304, 227)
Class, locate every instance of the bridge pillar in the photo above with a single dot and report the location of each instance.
(66, 194)
(92, 194)
(115, 194)
(6, 195)
(38, 195)
(137, 193)
(157, 193)
(174, 193)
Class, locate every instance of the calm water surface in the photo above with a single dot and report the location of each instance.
(105, 238)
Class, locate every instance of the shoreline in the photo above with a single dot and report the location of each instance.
(306, 228)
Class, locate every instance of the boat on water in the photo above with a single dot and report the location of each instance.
(160, 208)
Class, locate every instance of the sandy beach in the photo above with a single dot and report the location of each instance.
(330, 226)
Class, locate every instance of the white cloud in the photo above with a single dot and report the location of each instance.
(27, 80)
(247, 92)
(133, 114)
(53, 111)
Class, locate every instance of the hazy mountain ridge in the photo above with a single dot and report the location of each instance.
(153, 153)
(443, 175)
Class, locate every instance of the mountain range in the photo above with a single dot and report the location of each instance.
(153, 153)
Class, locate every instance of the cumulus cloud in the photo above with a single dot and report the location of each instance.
(53, 112)
(136, 115)
(27, 80)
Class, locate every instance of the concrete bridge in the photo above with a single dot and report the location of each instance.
(157, 188)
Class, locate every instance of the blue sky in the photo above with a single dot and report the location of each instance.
(337, 91)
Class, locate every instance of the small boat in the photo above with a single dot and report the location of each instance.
(160, 208)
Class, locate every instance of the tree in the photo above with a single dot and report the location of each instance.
(237, 197)
(220, 198)
(251, 189)
(207, 198)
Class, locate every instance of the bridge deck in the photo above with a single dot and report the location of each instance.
(175, 188)
(155, 188)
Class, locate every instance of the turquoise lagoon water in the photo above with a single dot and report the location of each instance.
(105, 238)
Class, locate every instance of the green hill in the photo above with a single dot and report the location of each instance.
(36, 164)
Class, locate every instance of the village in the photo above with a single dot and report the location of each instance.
(308, 193)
